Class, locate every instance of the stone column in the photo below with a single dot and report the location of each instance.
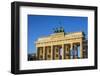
(51, 52)
(62, 51)
(44, 53)
(71, 48)
(36, 52)
(81, 49)
(75, 52)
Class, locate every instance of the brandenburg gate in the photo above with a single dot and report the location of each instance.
(60, 45)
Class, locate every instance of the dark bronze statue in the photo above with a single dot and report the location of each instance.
(58, 30)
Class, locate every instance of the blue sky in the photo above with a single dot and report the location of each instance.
(42, 25)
